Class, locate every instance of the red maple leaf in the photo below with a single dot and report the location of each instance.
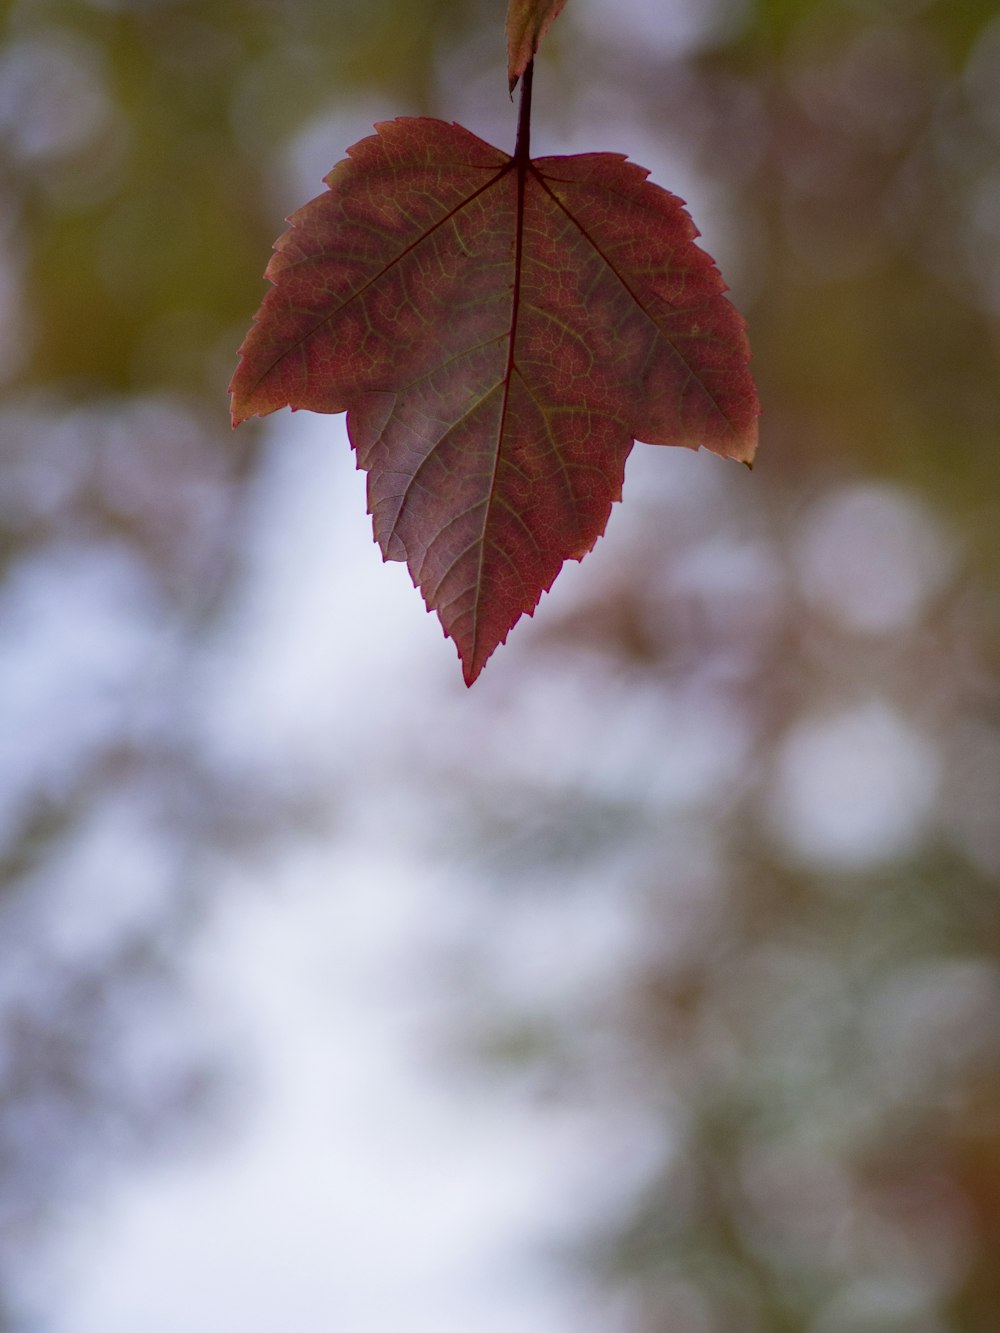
(499, 331)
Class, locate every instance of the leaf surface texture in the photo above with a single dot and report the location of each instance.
(499, 334)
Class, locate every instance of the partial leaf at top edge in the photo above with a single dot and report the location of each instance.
(527, 23)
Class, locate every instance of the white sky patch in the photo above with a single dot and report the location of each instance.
(667, 29)
(359, 1187)
(873, 557)
(619, 739)
(327, 643)
(52, 98)
(358, 1195)
(853, 789)
(82, 629)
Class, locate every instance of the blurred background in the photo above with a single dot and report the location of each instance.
(653, 985)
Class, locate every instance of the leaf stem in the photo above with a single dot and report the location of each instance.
(522, 148)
